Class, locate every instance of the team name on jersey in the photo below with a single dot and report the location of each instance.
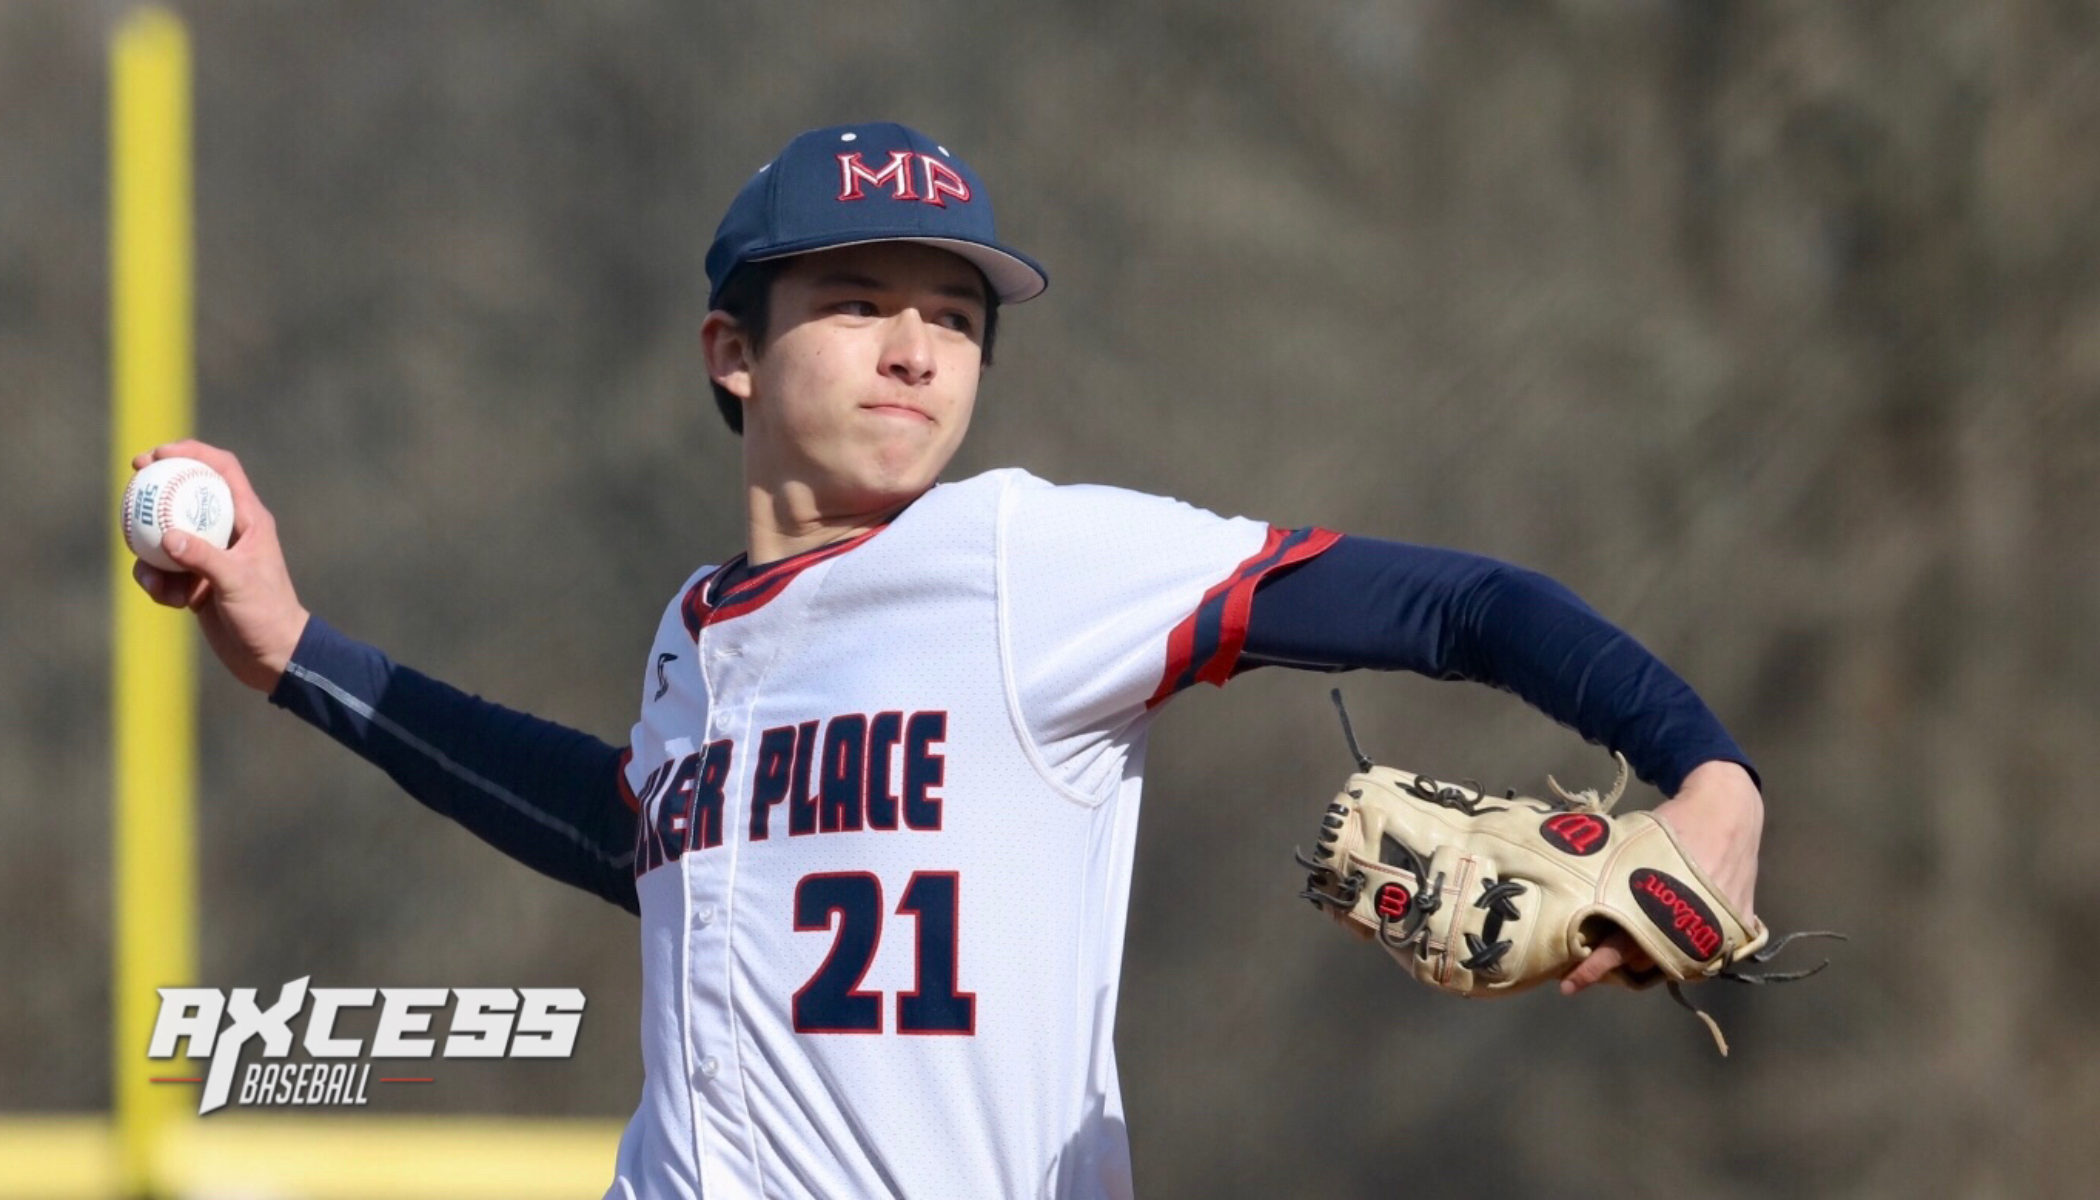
(851, 773)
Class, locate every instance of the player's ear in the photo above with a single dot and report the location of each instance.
(730, 354)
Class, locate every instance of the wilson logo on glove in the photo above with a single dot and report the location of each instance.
(1576, 833)
(1683, 917)
(1393, 901)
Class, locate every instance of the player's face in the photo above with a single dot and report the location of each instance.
(866, 383)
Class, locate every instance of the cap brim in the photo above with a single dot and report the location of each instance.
(1014, 276)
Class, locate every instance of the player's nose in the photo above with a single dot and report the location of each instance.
(907, 348)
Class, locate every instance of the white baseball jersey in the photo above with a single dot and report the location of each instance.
(888, 796)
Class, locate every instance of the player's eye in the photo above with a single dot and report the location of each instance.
(856, 308)
(960, 322)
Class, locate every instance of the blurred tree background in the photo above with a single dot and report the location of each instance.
(1772, 329)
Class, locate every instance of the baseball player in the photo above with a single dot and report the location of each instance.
(878, 810)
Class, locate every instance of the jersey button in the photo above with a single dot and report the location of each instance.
(709, 1067)
(707, 914)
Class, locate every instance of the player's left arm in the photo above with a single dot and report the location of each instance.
(1451, 615)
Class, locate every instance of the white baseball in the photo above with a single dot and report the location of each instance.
(176, 493)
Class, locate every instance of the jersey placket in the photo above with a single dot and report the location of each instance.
(734, 657)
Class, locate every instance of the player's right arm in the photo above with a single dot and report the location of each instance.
(547, 795)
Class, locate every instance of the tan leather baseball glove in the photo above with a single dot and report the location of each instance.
(1484, 895)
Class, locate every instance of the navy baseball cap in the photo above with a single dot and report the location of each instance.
(852, 184)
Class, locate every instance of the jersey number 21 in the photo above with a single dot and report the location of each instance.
(833, 1001)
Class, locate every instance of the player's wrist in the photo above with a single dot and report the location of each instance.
(278, 652)
(1722, 781)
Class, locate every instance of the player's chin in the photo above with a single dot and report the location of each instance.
(908, 457)
(889, 475)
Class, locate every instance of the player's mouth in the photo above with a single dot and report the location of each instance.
(904, 411)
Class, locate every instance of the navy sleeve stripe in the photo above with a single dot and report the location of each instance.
(1205, 647)
(486, 787)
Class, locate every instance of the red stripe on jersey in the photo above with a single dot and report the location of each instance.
(1196, 652)
(702, 607)
(627, 796)
(694, 608)
(1181, 642)
(770, 580)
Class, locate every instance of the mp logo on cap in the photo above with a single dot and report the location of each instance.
(936, 178)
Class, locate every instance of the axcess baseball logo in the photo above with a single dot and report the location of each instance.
(218, 1026)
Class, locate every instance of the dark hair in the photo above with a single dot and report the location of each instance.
(748, 298)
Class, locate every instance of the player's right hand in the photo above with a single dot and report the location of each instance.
(242, 595)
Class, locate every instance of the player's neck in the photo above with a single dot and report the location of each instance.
(786, 520)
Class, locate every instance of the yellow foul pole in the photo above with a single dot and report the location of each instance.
(152, 672)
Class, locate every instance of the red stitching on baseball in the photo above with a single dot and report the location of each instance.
(164, 504)
(166, 509)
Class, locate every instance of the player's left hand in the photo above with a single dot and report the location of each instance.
(1719, 819)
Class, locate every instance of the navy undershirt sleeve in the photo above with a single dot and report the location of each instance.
(547, 795)
(1452, 615)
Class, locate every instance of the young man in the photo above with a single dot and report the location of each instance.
(878, 812)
